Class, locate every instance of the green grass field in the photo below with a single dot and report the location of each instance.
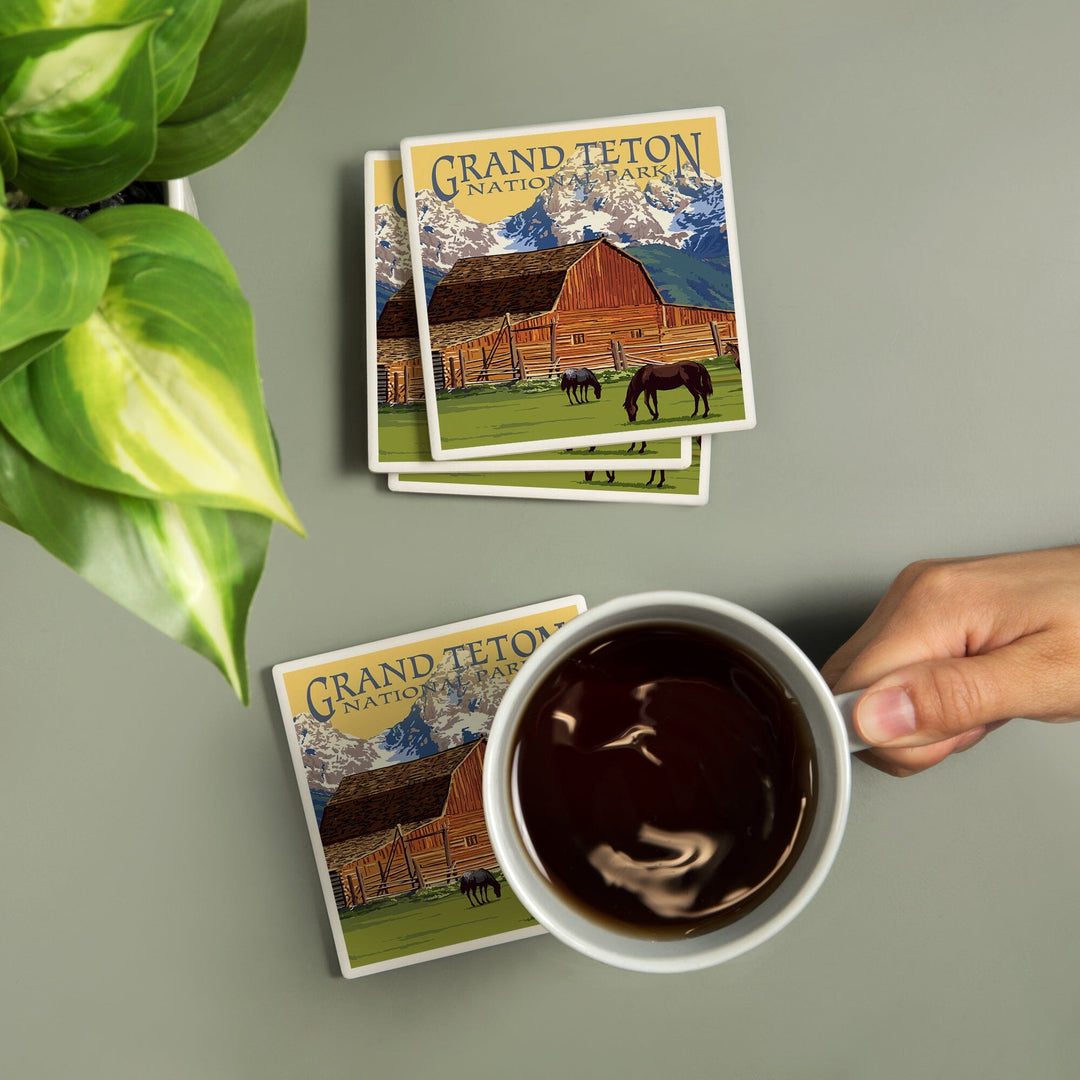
(530, 410)
(429, 919)
(676, 481)
(403, 436)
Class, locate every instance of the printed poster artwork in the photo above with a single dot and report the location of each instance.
(388, 746)
(577, 282)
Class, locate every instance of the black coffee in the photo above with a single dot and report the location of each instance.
(665, 779)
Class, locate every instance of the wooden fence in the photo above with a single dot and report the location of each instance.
(436, 854)
(399, 383)
(535, 351)
(686, 342)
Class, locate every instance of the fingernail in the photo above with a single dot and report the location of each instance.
(886, 715)
(970, 738)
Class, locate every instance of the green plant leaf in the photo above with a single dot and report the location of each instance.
(7, 515)
(176, 44)
(53, 272)
(79, 107)
(157, 394)
(244, 70)
(187, 570)
(16, 358)
(155, 230)
(9, 157)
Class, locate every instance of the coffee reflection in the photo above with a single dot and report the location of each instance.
(663, 779)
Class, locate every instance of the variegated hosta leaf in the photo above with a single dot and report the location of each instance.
(245, 69)
(154, 230)
(176, 44)
(7, 515)
(190, 571)
(79, 107)
(9, 158)
(14, 359)
(157, 394)
(53, 272)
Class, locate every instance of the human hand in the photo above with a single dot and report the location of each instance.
(956, 647)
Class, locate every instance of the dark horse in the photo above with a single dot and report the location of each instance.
(652, 377)
(611, 477)
(630, 449)
(652, 476)
(578, 381)
(476, 883)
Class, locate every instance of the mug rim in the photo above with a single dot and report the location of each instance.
(569, 923)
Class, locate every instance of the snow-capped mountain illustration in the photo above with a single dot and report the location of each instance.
(329, 754)
(584, 201)
(446, 234)
(581, 201)
(391, 247)
(465, 703)
(704, 218)
(457, 709)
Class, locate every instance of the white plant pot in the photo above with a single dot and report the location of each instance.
(178, 195)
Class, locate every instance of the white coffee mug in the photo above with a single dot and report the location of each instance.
(834, 740)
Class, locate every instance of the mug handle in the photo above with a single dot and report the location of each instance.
(846, 704)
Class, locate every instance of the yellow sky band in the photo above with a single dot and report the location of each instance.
(489, 179)
(364, 695)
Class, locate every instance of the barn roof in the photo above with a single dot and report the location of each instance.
(397, 330)
(398, 316)
(522, 263)
(478, 293)
(448, 335)
(394, 350)
(516, 281)
(377, 801)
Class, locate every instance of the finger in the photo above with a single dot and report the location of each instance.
(837, 664)
(905, 638)
(901, 630)
(935, 700)
(909, 760)
(835, 668)
(844, 667)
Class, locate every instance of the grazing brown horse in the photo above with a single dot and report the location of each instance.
(652, 377)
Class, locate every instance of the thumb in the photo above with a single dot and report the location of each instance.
(938, 699)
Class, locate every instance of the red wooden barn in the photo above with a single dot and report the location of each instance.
(407, 826)
(532, 314)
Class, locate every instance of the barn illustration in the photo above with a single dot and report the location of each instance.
(533, 314)
(404, 827)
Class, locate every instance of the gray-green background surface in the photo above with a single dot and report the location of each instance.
(906, 179)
